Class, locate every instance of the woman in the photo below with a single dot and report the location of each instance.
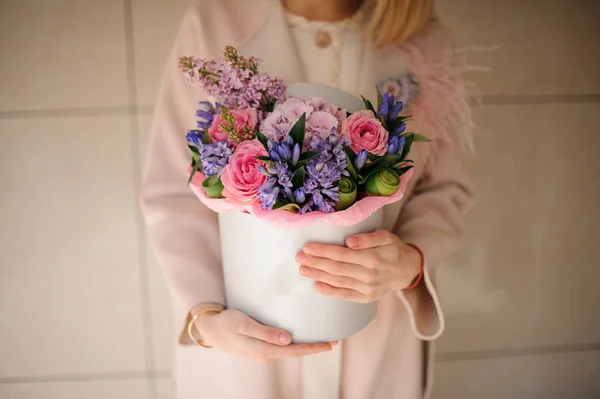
(353, 45)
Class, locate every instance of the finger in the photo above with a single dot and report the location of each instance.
(378, 238)
(262, 350)
(252, 328)
(300, 350)
(335, 252)
(341, 293)
(358, 272)
(332, 279)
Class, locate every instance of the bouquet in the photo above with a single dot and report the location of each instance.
(304, 163)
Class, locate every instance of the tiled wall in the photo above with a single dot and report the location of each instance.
(84, 311)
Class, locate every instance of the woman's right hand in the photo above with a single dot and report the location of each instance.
(238, 334)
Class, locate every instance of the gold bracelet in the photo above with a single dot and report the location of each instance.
(191, 324)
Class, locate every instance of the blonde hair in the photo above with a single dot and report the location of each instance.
(394, 21)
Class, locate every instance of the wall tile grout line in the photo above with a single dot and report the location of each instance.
(89, 377)
(448, 357)
(136, 110)
(538, 99)
(490, 354)
(68, 112)
(144, 282)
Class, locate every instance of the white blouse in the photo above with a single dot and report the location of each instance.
(331, 52)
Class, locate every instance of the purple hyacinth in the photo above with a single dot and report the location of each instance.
(396, 144)
(331, 147)
(398, 130)
(279, 181)
(206, 114)
(323, 172)
(284, 151)
(268, 193)
(195, 137)
(361, 159)
(299, 196)
(389, 109)
(214, 157)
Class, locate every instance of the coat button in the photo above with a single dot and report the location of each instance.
(323, 39)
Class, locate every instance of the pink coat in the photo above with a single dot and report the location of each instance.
(395, 350)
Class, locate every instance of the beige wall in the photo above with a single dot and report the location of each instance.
(84, 312)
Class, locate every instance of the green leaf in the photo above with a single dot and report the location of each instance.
(206, 138)
(263, 139)
(193, 172)
(402, 171)
(400, 165)
(351, 169)
(193, 149)
(373, 157)
(368, 105)
(298, 130)
(213, 187)
(406, 148)
(380, 163)
(264, 159)
(349, 153)
(379, 97)
(280, 203)
(298, 177)
(308, 155)
(417, 138)
(383, 123)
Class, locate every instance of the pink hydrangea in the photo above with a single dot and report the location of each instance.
(321, 118)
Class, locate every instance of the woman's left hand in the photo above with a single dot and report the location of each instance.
(370, 267)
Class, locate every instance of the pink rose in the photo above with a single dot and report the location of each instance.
(242, 118)
(365, 131)
(240, 177)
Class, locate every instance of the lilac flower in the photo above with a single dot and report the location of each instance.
(195, 137)
(214, 157)
(235, 80)
(206, 114)
(361, 159)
